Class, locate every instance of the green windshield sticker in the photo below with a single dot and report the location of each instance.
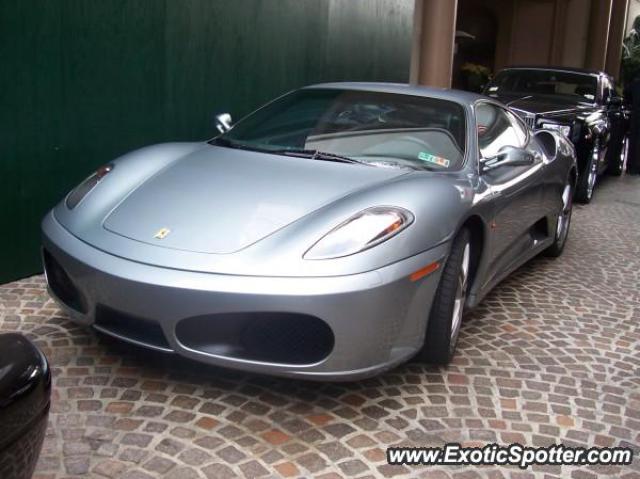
(433, 159)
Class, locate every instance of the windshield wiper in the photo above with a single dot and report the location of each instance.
(318, 155)
(219, 141)
(302, 153)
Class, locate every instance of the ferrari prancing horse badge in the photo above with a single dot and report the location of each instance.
(162, 233)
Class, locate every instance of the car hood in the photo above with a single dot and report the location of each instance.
(221, 200)
(543, 104)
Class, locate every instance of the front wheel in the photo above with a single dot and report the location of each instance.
(448, 305)
(562, 222)
(587, 179)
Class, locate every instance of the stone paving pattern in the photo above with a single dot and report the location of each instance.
(552, 355)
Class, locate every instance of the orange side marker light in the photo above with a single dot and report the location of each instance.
(422, 272)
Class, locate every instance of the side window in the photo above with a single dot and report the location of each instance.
(497, 128)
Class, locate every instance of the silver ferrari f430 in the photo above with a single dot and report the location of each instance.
(331, 234)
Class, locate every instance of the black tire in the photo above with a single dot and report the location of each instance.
(563, 221)
(619, 163)
(587, 182)
(439, 344)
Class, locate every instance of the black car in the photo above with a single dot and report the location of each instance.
(581, 104)
(25, 392)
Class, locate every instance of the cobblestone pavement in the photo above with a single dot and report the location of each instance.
(552, 355)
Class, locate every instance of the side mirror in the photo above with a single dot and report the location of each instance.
(223, 122)
(507, 156)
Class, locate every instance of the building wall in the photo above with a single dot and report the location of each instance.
(532, 32)
(576, 33)
(575, 40)
(543, 32)
(527, 30)
(85, 81)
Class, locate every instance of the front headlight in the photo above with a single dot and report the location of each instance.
(362, 231)
(87, 185)
(564, 129)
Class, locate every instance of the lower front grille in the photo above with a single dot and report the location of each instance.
(285, 338)
(125, 326)
(61, 285)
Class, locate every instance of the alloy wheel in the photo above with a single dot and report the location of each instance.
(564, 217)
(461, 294)
(624, 155)
(593, 169)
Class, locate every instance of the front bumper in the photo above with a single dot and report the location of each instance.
(378, 318)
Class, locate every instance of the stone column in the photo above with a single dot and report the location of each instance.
(616, 35)
(598, 35)
(433, 42)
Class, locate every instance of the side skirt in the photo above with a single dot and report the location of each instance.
(476, 297)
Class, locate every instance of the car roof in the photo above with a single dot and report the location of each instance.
(584, 71)
(457, 96)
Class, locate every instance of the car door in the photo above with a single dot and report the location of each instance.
(613, 105)
(516, 192)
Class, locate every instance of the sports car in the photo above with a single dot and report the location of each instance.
(332, 234)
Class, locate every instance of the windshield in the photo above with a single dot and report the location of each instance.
(582, 87)
(382, 129)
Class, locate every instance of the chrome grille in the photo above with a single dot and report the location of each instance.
(527, 117)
